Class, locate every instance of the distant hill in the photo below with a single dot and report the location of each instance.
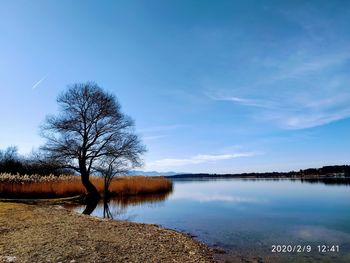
(151, 173)
(325, 171)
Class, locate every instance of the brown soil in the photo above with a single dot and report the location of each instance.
(50, 233)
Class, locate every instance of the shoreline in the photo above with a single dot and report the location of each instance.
(51, 233)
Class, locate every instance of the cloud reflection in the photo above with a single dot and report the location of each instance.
(315, 233)
(200, 197)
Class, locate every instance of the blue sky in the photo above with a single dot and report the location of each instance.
(213, 86)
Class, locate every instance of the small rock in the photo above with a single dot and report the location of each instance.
(8, 258)
(219, 251)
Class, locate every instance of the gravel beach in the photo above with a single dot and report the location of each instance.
(50, 233)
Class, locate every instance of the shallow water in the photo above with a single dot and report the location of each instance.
(247, 217)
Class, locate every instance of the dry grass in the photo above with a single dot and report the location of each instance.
(64, 186)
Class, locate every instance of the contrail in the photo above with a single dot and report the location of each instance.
(41, 80)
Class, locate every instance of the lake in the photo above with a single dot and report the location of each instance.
(246, 218)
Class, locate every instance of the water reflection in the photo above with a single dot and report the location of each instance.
(328, 181)
(312, 233)
(90, 206)
(246, 216)
(319, 180)
(217, 197)
(125, 201)
(114, 208)
(106, 211)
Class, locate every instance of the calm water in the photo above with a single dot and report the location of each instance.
(247, 217)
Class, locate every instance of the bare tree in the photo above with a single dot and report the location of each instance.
(11, 153)
(110, 167)
(89, 130)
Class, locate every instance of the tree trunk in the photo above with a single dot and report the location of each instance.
(90, 188)
(92, 193)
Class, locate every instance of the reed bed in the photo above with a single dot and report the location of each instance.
(36, 186)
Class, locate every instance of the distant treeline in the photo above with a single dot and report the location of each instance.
(13, 163)
(328, 180)
(325, 171)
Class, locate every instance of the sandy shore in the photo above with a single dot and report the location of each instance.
(50, 233)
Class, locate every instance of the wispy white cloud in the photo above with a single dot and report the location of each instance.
(298, 93)
(162, 128)
(159, 132)
(243, 101)
(298, 112)
(299, 69)
(197, 159)
(309, 120)
(154, 137)
(39, 81)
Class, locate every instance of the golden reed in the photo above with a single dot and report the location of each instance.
(65, 186)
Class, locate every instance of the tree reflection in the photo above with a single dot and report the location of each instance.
(106, 211)
(121, 202)
(91, 204)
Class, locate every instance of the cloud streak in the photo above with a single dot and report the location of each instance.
(39, 82)
(162, 128)
(159, 132)
(154, 137)
(243, 101)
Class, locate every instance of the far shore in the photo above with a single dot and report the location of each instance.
(334, 172)
(49, 233)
